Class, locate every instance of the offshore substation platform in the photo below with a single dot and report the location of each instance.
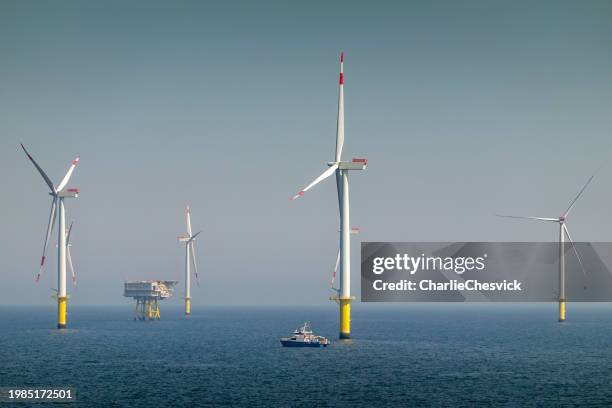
(147, 293)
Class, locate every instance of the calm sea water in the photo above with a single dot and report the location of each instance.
(413, 355)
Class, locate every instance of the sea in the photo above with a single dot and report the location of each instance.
(400, 355)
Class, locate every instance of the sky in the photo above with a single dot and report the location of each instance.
(463, 109)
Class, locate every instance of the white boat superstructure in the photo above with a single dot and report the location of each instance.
(304, 337)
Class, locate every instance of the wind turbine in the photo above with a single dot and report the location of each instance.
(341, 169)
(563, 232)
(58, 194)
(189, 259)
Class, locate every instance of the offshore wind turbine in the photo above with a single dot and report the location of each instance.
(190, 259)
(563, 232)
(58, 194)
(341, 170)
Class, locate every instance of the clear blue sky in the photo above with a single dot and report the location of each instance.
(464, 109)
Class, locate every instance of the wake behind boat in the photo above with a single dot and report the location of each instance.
(303, 337)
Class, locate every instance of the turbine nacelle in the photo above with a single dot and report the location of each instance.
(67, 193)
(355, 164)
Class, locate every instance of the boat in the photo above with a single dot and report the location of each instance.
(303, 337)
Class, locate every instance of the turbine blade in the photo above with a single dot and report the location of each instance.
(579, 194)
(188, 220)
(335, 269)
(40, 170)
(69, 259)
(68, 233)
(339, 190)
(194, 235)
(50, 226)
(567, 234)
(322, 177)
(340, 123)
(529, 218)
(193, 262)
(66, 178)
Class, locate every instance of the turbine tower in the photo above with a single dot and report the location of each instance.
(563, 232)
(58, 194)
(341, 169)
(189, 259)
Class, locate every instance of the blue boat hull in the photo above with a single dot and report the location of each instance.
(288, 343)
